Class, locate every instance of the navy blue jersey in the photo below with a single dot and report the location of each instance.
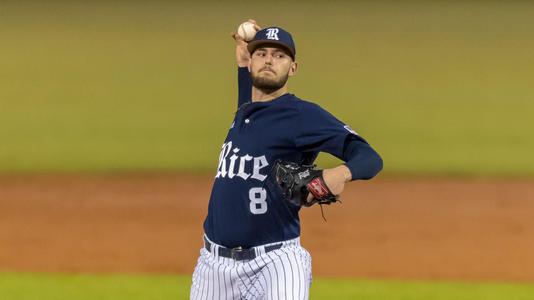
(246, 208)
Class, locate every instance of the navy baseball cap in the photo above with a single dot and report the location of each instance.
(273, 35)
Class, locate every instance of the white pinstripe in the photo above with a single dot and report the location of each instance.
(284, 273)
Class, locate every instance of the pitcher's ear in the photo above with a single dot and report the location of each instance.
(293, 68)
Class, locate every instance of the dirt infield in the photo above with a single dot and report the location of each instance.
(386, 228)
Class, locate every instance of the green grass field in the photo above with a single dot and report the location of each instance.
(436, 87)
(27, 286)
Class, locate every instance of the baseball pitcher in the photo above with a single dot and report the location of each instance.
(265, 175)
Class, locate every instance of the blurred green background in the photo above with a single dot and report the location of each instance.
(436, 87)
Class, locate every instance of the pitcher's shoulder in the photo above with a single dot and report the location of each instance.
(306, 106)
(304, 103)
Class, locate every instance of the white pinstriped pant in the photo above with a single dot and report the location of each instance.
(284, 273)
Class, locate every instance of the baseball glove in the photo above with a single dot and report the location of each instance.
(298, 181)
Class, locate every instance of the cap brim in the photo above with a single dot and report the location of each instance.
(253, 45)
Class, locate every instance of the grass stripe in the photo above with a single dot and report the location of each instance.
(43, 286)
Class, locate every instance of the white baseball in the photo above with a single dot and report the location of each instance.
(246, 30)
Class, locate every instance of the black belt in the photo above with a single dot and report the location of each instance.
(239, 253)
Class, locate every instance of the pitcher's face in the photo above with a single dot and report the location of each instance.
(270, 68)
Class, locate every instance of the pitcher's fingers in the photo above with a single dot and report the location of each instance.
(256, 26)
(236, 37)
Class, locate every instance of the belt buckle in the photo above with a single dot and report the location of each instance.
(235, 251)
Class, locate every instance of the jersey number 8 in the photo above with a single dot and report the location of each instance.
(257, 197)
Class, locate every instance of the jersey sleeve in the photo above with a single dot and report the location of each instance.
(244, 86)
(319, 131)
(361, 159)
